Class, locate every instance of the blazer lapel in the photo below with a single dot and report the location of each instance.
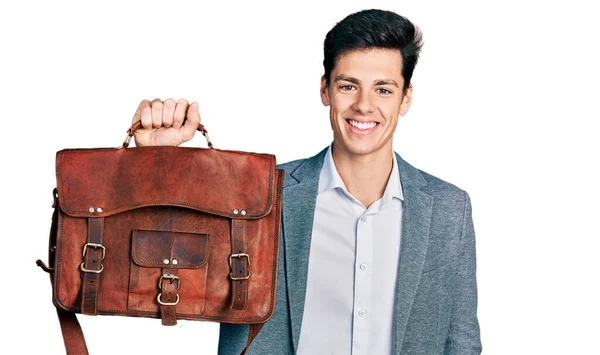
(416, 220)
(299, 196)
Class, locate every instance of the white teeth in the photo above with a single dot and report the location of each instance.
(362, 125)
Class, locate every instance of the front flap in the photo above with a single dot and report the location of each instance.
(176, 250)
(105, 181)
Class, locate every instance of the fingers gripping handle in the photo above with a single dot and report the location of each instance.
(138, 124)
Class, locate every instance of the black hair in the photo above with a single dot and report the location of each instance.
(374, 29)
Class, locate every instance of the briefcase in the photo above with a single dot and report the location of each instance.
(164, 232)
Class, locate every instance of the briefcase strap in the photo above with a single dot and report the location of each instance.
(72, 333)
(239, 262)
(168, 297)
(75, 342)
(91, 267)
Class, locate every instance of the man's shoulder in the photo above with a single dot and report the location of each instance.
(291, 165)
(438, 187)
(299, 169)
(289, 168)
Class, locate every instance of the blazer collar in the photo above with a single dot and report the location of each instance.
(329, 178)
(300, 195)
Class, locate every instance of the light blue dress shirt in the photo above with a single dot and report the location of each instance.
(352, 270)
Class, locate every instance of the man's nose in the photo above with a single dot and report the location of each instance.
(363, 103)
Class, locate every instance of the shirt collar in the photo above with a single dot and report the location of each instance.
(330, 179)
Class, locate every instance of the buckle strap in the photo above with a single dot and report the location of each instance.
(93, 254)
(168, 297)
(239, 262)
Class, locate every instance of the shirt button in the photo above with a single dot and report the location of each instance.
(361, 313)
(363, 266)
(363, 218)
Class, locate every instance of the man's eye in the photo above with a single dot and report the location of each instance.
(383, 91)
(347, 87)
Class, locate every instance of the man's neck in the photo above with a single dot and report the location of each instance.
(365, 176)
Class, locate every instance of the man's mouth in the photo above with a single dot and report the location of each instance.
(363, 126)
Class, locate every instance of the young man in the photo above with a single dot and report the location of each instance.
(377, 257)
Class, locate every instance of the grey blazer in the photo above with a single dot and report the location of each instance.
(436, 289)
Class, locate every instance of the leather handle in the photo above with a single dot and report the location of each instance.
(138, 124)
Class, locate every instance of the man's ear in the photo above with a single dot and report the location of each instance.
(406, 100)
(324, 92)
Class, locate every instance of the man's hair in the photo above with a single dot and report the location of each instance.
(374, 29)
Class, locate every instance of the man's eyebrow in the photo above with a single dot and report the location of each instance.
(347, 78)
(386, 82)
(357, 82)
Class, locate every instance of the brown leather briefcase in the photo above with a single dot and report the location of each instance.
(164, 232)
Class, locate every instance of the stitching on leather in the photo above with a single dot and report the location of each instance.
(247, 285)
(60, 221)
(276, 236)
(205, 285)
(187, 315)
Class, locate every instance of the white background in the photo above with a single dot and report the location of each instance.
(505, 107)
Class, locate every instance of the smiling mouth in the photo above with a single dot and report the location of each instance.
(362, 126)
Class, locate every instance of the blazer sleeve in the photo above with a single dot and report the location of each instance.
(463, 337)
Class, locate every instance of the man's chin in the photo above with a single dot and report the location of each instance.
(358, 149)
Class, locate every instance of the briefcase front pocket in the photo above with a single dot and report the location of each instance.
(173, 263)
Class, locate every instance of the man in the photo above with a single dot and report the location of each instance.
(377, 256)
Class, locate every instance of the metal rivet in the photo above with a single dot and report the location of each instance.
(166, 261)
(363, 266)
(91, 209)
(174, 262)
(236, 211)
(243, 212)
(99, 210)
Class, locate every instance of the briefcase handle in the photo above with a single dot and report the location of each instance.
(138, 124)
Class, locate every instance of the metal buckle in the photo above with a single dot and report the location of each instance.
(93, 271)
(94, 245)
(167, 303)
(239, 256)
(169, 277)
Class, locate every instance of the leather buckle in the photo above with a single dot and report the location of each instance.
(169, 277)
(94, 245)
(89, 270)
(239, 256)
(167, 303)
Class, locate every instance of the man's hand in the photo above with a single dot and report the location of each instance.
(162, 122)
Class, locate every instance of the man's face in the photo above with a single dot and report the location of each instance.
(365, 98)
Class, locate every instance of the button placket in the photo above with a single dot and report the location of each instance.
(362, 282)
